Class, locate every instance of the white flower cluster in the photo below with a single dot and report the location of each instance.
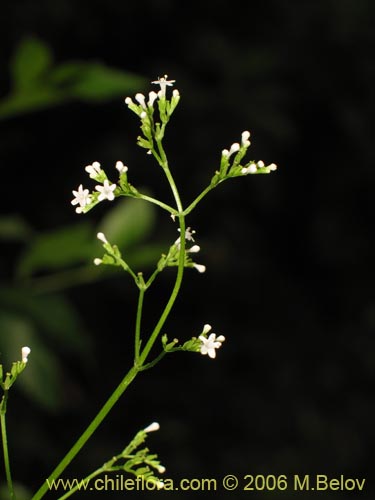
(210, 344)
(142, 106)
(104, 191)
(194, 249)
(231, 167)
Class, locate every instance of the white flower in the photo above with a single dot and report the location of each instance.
(141, 99)
(94, 170)
(102, 238)
(106, 191)
(121, 167)
(25, 351)
(251, 169)
(188, 235)
(152, 96)
(260, 164)
(161, 469)
(98, 261)
(234, 148)
(155, 426)
(194, 249)
(175, 93)
(272, 167)
(245, 139)
(207, 328)
(163, 82)
(128, 101)
(200, 268)
(82, 198)
(210, 344)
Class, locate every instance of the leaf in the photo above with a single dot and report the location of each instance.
(29, 63)
(129, 222)
(94, 81)
(57, 249)
(14, 228)
(53, 316)
(40, 380)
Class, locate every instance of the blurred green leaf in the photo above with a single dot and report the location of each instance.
(57, 249)
(94, 81)
(53, 317)
(14, 228)
(20, 492)
(30, 63)
(129, 222)
(37, 84)
(40, 381)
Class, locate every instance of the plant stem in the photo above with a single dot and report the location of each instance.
(112, 400)
(137, 342)
(197, 200)
(5, 445)
(181, 264)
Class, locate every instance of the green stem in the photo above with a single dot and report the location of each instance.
(198, 199)
(137, 343)
(181, 263)
(82, 484)
(5, 445)
(112, 400)
(157, 202)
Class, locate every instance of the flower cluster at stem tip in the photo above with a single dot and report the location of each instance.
(153, 132)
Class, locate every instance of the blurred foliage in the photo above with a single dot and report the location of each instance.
(37, 83)
(51, 262)
(33, 309)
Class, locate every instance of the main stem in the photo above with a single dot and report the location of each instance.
(5, 447)
(112, 400)
(140, 359)
(181, 264)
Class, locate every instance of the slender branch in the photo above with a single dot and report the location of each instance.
(181, 262)
(112, 400)
(198, 199)
(137, 342)
(5, 445)
(157, 202)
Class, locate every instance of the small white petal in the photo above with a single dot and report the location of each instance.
(194, 249)
(97, 262)
(207, 328)
(234, 148)
(161, 469)
(152, 96)
(102, 238)
(121, 167)
(25, 351)
(141, 99)
(200, 268)
(128, 101)
(245, 136)
(272, 167)
(260, 164)
(155, 426)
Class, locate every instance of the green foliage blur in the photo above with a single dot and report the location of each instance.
(33, 307)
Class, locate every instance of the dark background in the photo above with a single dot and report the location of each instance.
(289, 257)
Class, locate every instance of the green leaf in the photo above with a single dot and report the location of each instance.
(94, 81)
(14, 228)
(40, 379)
(128, 223)
(53, 317)
(57, 249)
(30, 63)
